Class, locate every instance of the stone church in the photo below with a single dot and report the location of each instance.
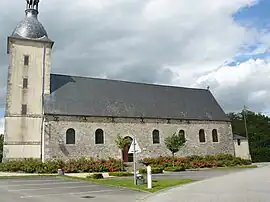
(62, 116)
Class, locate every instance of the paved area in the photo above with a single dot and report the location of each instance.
(251, 185)
(198, 175)
(53, 189)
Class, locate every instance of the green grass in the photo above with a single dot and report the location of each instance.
(28, 176)
(232, 167)
(244, 166)
(157, 184)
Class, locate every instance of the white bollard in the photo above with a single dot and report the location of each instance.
(149, 177)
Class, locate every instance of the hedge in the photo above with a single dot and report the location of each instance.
(153, 170)
(174, 169)
(70, 166)
(208, 161)
(89, 165)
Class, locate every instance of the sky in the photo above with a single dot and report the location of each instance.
(191, 43)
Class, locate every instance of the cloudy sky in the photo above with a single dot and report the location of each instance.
(193, 43)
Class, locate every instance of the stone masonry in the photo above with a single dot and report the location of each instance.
(56, 127)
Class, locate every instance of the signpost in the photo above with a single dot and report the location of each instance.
(134, 148)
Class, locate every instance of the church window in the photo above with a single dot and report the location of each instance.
(182, 132)
(202, 135)
(26, 60)
(70, 136)
(25, 83)
(215, 135)
(24, 109)
(99, 136)
(156, 139)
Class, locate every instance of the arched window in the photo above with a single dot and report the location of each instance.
(182, 132)
(214, 135)
(201, 135)
(99, 136)
(70, 136)
(156, 139)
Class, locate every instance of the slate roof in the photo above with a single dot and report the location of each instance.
(83, 96)
(237, 136)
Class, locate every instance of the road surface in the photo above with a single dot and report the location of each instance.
(252, 185)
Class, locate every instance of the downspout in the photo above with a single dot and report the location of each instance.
(42, 106)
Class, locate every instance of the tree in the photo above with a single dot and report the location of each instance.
(1, 147)
(121, 144)
(174, 143)
(258, 127)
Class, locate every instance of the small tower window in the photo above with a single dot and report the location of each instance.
(99, 136)
(238, 142)
(201, 135)
(24, 109)
(25, 83)
(214, 135)
(26, 60)
(70, 136)
(156, 139)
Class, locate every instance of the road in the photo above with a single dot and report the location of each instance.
(252, 185)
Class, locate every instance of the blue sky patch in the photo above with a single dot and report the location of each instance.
(256, 16)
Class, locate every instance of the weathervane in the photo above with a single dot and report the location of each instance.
(32, 4)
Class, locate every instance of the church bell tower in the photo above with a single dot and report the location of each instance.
(29, 50)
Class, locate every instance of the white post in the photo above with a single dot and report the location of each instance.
(134, 162)
(149, 177)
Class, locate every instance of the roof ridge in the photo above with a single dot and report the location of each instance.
(131, 82)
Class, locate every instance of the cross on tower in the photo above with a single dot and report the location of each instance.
(32, 4)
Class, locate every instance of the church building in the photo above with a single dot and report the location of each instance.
(52, 116)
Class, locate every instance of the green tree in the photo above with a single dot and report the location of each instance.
(121, 144)
(258, 127)
(1, 147)
(174, 143)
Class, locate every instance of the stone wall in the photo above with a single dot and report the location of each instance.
(85, 127)
(242, 149)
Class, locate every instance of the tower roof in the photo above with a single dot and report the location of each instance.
(30, 27)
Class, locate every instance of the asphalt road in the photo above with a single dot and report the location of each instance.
(52, 189)
(252, 185)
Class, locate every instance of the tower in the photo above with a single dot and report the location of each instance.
(29, 50)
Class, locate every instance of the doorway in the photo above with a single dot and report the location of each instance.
(126, 156)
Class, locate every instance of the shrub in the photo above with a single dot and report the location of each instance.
(174, 169)
(70, 166)
(208, 161)
(154, 170)
(120, 174)
(95, 176)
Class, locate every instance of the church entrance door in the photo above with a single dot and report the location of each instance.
(126, 156)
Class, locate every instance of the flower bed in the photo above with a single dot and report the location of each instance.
(70, 166)
(213, 161)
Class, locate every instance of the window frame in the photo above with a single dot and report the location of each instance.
(25, 83)
(99, 136)
(24, 109)
(26, 60)
(202, 132)
(215, 136)
(156, 136)
(70, 137)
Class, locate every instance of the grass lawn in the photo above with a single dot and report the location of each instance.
(244, 166)
(157, 184)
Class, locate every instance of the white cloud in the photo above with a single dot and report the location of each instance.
(244, 84)
(183, 42)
